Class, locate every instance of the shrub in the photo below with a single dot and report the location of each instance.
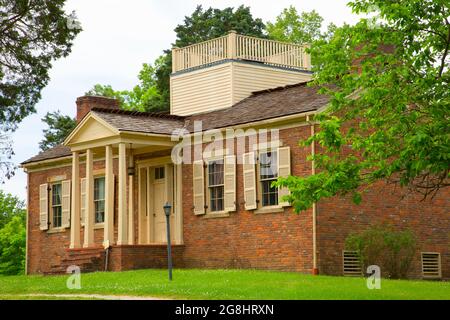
(381, 245)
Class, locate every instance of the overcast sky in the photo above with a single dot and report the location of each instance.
(117, 37)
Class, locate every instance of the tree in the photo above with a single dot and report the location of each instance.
(105, 91)
(153, 91)
(10, 206)
(59, 127)
(388, 116)
(12, 234)
(33, 34)
(13, 247)
(211, 23)
(290, 26)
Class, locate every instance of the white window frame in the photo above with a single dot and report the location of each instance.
(98, 200)
(259, 186)
(52, 206)
(209, 187)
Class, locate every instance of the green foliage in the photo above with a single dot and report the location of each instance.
(13, 247)
(145, 96)
(12, 234)
(105, 91)
(10, 207)
(388, 116)
(33, 34)
(59, 127)
(290, 26)
(381, 245)
(211, 23)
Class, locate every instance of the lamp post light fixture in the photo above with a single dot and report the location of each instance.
(167, 210)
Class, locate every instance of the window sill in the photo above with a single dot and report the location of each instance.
(271, 209)
(56, 230)
(218, 214)
(99, 225)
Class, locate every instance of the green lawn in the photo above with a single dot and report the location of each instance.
(223, 284)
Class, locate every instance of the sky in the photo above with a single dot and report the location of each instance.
(117, 38)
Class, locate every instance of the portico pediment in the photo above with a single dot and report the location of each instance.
(91, 129)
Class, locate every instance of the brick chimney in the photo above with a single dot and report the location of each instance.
(87, 103)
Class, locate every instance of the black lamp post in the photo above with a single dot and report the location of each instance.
(167, 208)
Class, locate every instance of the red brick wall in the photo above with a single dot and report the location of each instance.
(144, 256)
(278, 241)
(428, 220)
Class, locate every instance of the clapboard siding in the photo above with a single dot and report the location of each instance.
(248, 78)
(201, 90)
(223, 85)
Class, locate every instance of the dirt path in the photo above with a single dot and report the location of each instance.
(90, 296)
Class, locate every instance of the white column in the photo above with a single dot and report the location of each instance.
(108, 237)
(123, 222)
(75, 241)
(130, 210)
(178, 183)
(89, 219)
(131, 226)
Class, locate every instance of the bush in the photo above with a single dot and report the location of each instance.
(381, 245)
(12, 247)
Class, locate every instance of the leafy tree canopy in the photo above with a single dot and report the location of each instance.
(290, 26)
(12, 234)
(13, 247)
(33, 33)
(10, 206)
(59, 127)
(388, 117)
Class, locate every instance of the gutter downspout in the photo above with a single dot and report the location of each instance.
(27, 238)
(315, 269)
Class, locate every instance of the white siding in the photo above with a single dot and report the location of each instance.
(248, 78)
(223, 85)
(201, 90)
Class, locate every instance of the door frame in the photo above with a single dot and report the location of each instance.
(173, 185)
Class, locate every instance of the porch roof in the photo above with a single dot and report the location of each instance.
(261, 105)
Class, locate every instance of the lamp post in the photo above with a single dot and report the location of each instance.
(167, 208)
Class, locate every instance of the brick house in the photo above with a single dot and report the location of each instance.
(239, 106)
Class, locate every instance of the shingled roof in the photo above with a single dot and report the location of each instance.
(59, 151)
(132, 121)
(261, 105)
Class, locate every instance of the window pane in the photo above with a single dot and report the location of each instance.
(216, 195)
(269, 193)
(159, 173)
(56, 194)
(99, 188)
(268, 165)
(99, 211)
(215, 173)
(57, 216)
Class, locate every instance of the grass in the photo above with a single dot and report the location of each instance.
(223, 284)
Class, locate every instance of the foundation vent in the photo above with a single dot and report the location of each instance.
(351, 263)
(431, 265)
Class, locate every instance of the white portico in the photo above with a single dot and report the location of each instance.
(118, 160)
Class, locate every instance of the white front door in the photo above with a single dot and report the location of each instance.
(159, 199)
(155, 189)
